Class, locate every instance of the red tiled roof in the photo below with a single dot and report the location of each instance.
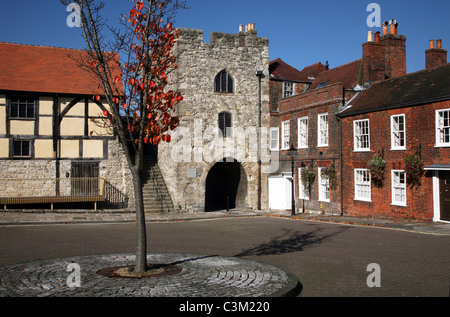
(282, 71)
(313, 71)
(348, 74)
(422, 87)
(45, 69)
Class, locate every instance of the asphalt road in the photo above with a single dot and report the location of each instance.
(329, 259)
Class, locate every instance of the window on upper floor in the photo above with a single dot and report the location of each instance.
(224, 122)
(22, 107)
(285, 135)
(443, 127)
(361, 135)
(303, 132)
(223, 82)
(322, 126)
(274, 139)
(398, 132)
(288, 89)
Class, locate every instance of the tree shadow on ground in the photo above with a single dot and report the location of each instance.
(289, 241)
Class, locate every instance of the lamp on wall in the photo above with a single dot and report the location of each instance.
(291, 153)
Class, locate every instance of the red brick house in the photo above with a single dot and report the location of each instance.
(307, 122)
(285, 82)
(320, 123)
(392, 120)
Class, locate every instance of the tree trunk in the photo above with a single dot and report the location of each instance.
(141, 251)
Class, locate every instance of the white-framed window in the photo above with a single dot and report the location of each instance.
(303, 132)
(288, 89)
(362, 185)
(443, 127)
(324, 186)
(398, 180)
(274, 139)
(302, 186)
(398, 132)
(285, 135)
(322, 127)
(361, 135)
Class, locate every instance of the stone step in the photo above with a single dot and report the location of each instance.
(156, 195)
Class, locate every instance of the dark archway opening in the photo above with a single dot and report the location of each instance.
(222, 184)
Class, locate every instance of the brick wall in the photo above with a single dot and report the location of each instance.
(311, 104)
(420, 140)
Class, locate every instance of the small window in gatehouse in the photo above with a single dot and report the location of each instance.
(225, 129)
(223, 82)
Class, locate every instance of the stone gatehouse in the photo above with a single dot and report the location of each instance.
(218, 159)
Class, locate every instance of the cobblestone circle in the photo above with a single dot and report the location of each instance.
(201, 276)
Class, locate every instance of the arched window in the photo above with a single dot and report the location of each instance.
(223, 82)
(225, 129)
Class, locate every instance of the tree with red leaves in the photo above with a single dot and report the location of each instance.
(141, 108)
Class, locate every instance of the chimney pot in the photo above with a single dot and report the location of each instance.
(241, 28)
(439, 44)
(385, 28)
(369, 37)
(377, 37)
(431, 44)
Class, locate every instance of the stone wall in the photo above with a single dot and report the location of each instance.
(37, 177)
(196, 145)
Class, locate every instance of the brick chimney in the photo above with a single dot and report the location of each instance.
(395, 51)
(435, 56)
(385, 56)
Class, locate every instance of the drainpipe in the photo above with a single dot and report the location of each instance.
(340, 155)
(260, 75)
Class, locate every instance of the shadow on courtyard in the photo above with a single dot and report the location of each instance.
(290, 241)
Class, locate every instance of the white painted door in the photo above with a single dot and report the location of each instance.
(279, 193)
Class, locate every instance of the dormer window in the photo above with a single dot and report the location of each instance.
(288, 89)
(322, 84)
(223, 82)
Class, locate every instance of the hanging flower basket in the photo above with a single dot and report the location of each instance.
(308, 176)
(330, 174)
(376, 168)
(413, 169)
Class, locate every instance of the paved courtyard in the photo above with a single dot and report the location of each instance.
(198, 276)
(329, 259)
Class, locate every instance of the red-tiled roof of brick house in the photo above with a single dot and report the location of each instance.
(282, 71)
(422, 87)
(46, 70)
(348, 74)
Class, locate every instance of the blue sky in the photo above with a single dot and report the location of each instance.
(301, 32)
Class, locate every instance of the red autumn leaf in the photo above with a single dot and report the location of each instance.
(156, 139)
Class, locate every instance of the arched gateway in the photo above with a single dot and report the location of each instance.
(225, 186)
